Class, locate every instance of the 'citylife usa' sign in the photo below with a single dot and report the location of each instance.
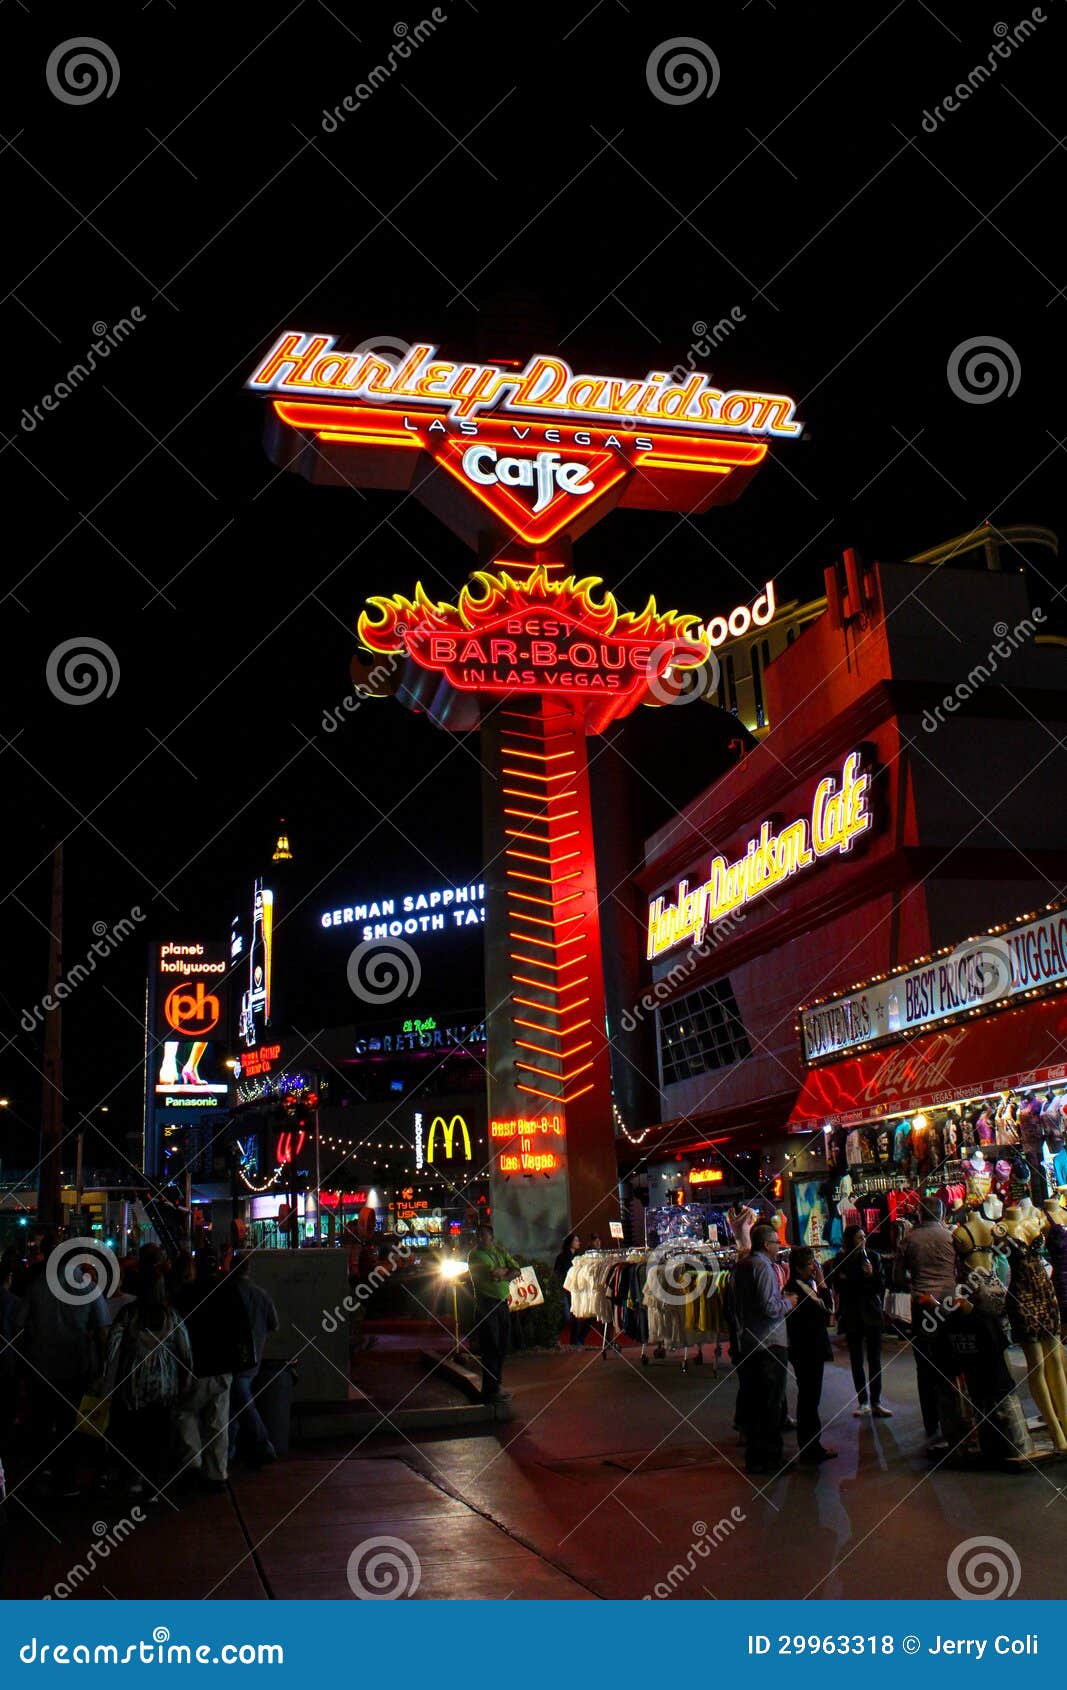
(976, 975)
(840, 814)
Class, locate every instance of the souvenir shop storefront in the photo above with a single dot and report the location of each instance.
(665, 1289)
(947, 1078)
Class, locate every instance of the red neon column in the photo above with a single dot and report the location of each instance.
(553, 1147)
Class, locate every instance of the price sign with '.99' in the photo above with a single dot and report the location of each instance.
(525, 1292)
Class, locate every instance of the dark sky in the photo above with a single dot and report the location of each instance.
(516, 186)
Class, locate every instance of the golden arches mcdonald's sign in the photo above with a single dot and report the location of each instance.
(448, 1132)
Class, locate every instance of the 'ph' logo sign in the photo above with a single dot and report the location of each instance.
(191, 1011)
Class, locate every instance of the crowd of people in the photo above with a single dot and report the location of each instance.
(150, 1387)
(154, 1385)
(780, 1321)
(778, 1325)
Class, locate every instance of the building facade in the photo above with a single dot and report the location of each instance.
(905, 799)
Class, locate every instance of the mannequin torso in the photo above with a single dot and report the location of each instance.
(974, 1240)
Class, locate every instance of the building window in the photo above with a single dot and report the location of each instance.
(700, 1032)
(757, 689)
(731, 685)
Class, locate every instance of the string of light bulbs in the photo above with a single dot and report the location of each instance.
(634, 1138)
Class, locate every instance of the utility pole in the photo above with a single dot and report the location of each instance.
(50, 1174)
(79, 1180)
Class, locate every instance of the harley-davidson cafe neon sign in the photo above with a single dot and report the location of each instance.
(840, 814)
(311, 363)
(535, 446)
(535, 457)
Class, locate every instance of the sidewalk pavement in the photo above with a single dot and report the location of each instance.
(612, 1480)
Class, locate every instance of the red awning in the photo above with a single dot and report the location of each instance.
(1014, 1047)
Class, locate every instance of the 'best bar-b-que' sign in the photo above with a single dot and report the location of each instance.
(536, 635)
(840, 814)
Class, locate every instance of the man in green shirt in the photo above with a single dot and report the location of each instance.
(492, 1268)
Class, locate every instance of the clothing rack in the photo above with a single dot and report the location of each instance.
(609, 1326)
(717, 1259)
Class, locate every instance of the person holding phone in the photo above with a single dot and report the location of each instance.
(807, 1329)
(760, 1310)
(857, 1277)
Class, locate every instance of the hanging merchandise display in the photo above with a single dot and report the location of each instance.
(960, 1098)
(672, 1295)
(957, 1098)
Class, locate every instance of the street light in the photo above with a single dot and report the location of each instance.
(452, 1270)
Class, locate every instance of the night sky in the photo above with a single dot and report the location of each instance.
(515, 186)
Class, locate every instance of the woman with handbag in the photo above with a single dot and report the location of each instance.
(149, 1367)
(857, 1276)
